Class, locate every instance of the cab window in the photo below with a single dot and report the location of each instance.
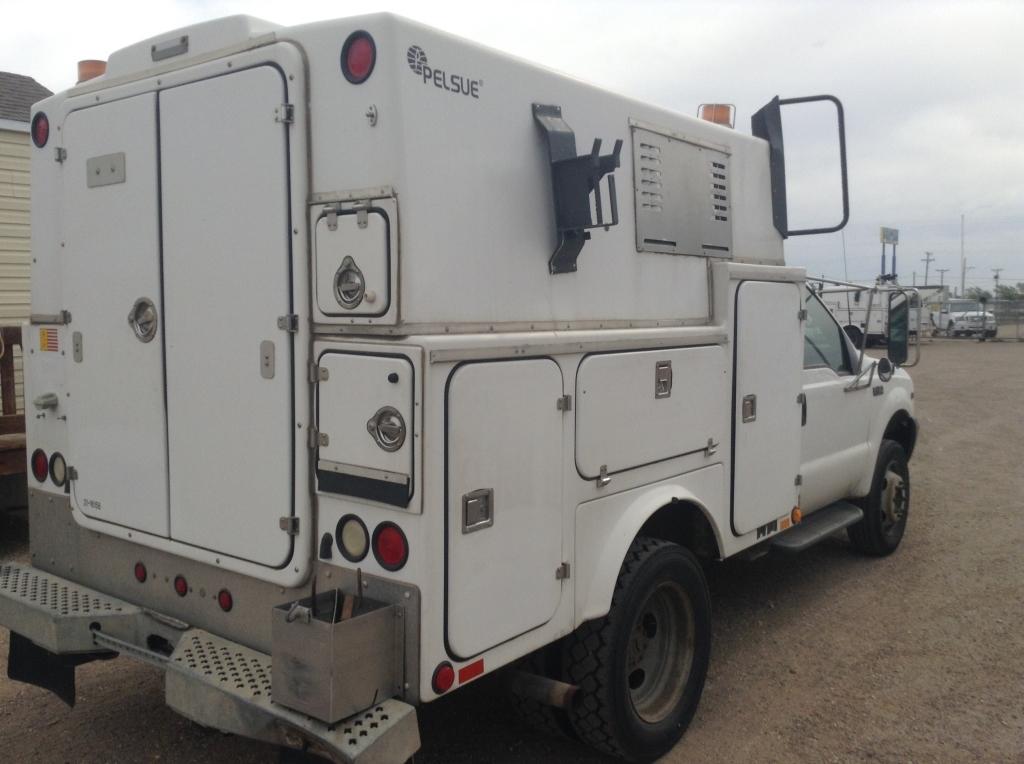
(824, 341)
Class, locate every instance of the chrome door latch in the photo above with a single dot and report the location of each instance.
(662, 379)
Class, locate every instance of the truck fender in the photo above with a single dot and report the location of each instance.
(606, 527)
(893, 416)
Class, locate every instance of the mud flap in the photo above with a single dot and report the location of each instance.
(31, 664)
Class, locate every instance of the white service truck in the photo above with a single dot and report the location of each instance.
(365, 361)
(863, 313)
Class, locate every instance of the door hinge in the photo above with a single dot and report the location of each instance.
(603, 478)
(564, 403)
(285, 113)
(562, 572)
(318, 439)
(801, 314)
(289, 525)
(289, 323)
(362, 210)
(59, 154)
(798, 480)
(318, 373)
(710, 448)
(332, 218)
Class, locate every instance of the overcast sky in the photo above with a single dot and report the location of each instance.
(934, 95)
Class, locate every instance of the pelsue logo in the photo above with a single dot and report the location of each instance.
(454, 83)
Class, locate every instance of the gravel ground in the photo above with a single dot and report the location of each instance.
(823, 657)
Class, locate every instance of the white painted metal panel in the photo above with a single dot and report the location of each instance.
(505, 434)
(357, 387)
(227, 278)
(768, 349)
(368, 245)
(116, 419)
(620, 423)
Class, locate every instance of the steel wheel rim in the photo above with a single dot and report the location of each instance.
(895, 499)
(661, 650)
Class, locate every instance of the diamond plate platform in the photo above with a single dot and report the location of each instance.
(219, 683)
(56, 614)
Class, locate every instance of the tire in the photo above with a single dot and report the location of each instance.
(887, 506)
(855, 335)
(641, 669)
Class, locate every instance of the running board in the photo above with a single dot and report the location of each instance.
(818, 526)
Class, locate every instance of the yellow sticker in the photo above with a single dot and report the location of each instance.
(48, 340)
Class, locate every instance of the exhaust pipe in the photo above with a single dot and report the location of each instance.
(550, 692)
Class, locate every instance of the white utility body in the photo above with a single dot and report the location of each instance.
(381, 360)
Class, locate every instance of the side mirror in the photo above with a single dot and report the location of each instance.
(897, 336)
(885, 369)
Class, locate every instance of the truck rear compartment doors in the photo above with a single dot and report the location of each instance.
(768, 348)
(504, 508)
(116, 426)
(227, 280)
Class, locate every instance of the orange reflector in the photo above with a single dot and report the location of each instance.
(471, 671)
(796, 515)
(719, 113)
(48, 340)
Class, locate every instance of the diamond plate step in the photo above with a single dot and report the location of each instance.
(221, 684)
(55, 613)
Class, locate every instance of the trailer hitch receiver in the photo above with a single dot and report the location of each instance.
(573, 179)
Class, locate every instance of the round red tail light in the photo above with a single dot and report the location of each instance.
(140, 573)
(40, 465)
(389, 546)
(225, 600)
(40, 129)
(358, 56)
(444, 678)
(180, 585)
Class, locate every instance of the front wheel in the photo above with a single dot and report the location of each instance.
(640, 669)
(887, 506)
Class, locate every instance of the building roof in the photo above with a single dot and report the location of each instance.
(17, 94)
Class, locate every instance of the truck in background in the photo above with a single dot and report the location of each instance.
(372, 361)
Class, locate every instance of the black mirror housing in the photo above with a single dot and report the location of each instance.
(898, 329)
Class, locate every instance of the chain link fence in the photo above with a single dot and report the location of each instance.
(1009, 317)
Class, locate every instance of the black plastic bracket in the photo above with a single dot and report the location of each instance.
(31, 664)
(766, 123)
(573, 179)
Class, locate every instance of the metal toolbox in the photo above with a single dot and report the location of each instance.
(331, 660)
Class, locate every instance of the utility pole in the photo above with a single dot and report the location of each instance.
(995, 273)
(963, 262)
(927, 260)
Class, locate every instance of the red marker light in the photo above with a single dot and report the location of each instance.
(225, 600)
(40, 465)
(40, 129)
(180, 585)
(140, 573)
(444, 678)
(358, 56)
(389, 546)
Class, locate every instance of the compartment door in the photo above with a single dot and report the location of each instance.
(768, 347)
(117, 439)
(504, 521)
(227, 279)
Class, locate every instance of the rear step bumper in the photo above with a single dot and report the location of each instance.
(213, 681)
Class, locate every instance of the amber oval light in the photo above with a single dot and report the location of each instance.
(389, 546)
(358, 56)
(140, 573)
(40, 465)
(40, 129)
(225, 600)
(180, 585)
(444, 678)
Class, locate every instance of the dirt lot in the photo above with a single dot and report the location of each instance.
(823, 657)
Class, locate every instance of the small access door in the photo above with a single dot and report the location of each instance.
(227, 266)
(504, 522)
(117, 437)
(768, 347)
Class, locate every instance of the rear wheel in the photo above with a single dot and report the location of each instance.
(887, 506)
(641, 669)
